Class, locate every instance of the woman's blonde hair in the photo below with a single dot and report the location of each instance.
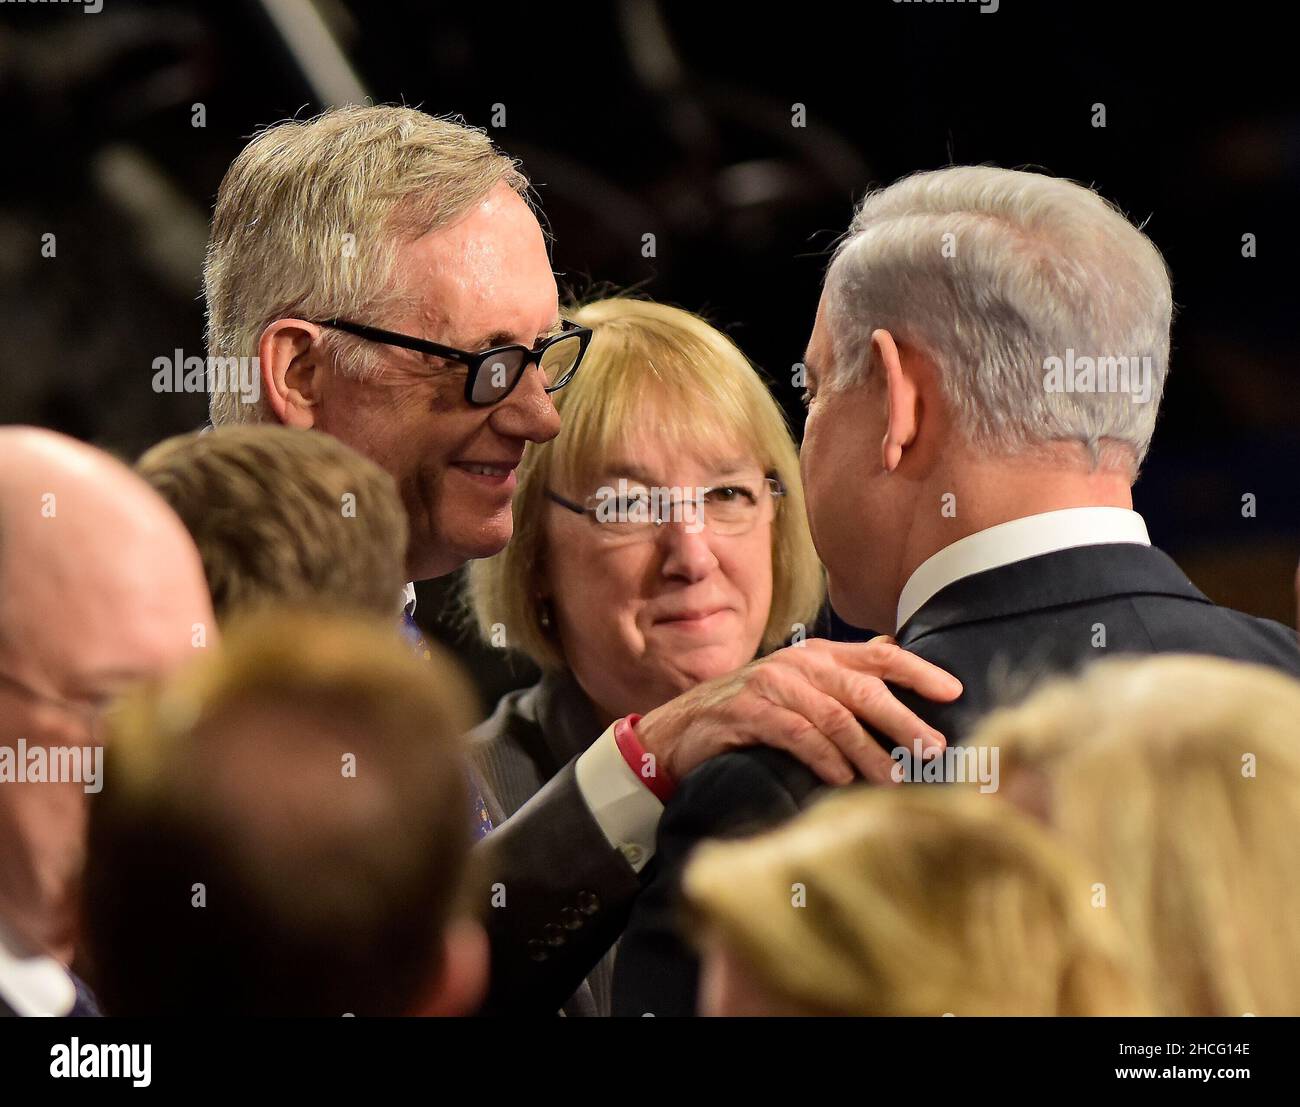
(650, 367)
(913, 901)
(1178, 779)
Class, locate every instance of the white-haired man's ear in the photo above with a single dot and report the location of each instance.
(293, 371)
(902, 396)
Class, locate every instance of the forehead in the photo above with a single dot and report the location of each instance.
(488, 273)
(662, 456)
(818, 354)
(83, 602)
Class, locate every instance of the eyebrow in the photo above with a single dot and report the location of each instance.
(723, 470)
(497, 338)
(502, 338)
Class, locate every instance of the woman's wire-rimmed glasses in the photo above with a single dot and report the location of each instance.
(637, 511)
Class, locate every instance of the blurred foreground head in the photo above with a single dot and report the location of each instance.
(917, 901)
(100, 586)
(1177, 779)
(283, 831)
(285, 516)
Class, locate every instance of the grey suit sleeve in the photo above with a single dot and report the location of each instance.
(563, 895)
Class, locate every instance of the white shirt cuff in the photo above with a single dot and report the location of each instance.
(624, 808)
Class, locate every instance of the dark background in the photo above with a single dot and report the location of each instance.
(675, 119)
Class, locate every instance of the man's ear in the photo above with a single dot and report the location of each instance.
(903, 397)
(293, 371)
(462, 982)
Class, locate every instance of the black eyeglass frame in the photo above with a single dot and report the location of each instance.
(775, 488)
(474, 362)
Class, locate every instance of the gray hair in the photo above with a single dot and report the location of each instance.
(994, 273)
(309, 218)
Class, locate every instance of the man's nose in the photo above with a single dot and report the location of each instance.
(528, 412)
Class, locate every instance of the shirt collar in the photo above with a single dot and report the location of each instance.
(408, 599)
(32, 983)
(1031, 536)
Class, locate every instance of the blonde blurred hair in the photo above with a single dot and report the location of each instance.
(311, 214)
(657, 369)
(917, 901)
(354, 669)
(1178, 779)
(237, 768)
(281, 515)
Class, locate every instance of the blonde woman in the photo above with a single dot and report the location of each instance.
(1178, 779)
(659, 542)
(919, 901)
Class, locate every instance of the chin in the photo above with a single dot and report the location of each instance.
(445, 551)
(706, 661)
(480, 546)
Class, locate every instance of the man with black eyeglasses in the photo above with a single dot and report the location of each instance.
(386, 269)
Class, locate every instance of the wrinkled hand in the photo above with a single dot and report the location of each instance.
(807, 700)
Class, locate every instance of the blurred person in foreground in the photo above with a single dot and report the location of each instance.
(100, 587)
(283, 832)
(1177, 779)
(984, 374)
(660, 541)
(909, 902)
(282, 516)
(285, 517)
(378, 274)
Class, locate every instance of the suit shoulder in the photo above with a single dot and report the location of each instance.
(1237, 635)
(740, 789)
(760, 766)
(513, 710)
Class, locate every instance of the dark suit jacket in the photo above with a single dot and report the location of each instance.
(567, 890)
(998, 632)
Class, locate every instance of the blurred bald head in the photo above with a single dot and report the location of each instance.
(100, 586)
(99, 581)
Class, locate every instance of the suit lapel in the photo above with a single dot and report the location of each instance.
(1083, 574)
(566, 718)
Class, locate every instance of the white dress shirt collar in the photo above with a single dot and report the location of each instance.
(1031, 536)
(408, 599)
(32, 983)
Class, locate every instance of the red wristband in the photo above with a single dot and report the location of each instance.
(640, 760)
